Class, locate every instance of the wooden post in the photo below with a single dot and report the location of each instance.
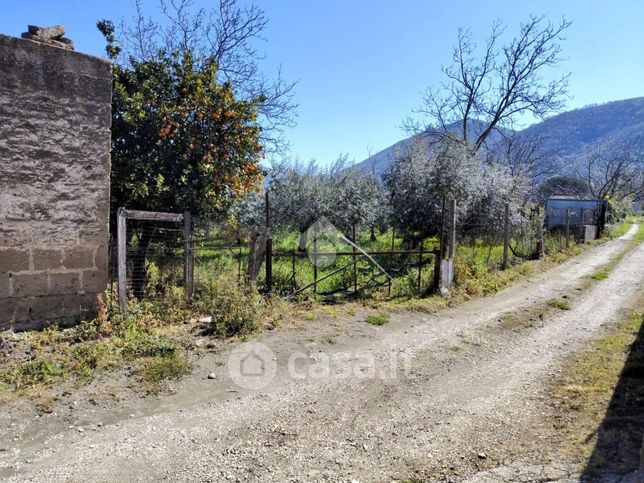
(540, 247)
(420, 265)
(452, 230)
(437, 269)
(239, 263)
(188, 257)
(293, 267)
(355, 265)
(567, 227)
(121, 240)
(506, 235)
(442, 236)
(438, 256)
(315, 260)
(269, 245)
(393, 239)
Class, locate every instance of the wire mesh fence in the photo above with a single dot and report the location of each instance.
(163, 254)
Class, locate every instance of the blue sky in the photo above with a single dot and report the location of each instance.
(361, 64)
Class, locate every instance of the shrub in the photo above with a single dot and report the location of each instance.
(141, 344)
(161, 368)
(235, 309)
(31, 373)
(92, 356)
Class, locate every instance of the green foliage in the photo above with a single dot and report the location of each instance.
(181, 140)
(157, 369)
(235, 309)
(89, 357)
(559, 304)
(43, 371)
(379, 319)
(562, 186)
(599, 276)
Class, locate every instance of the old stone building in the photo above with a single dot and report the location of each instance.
(54, 180)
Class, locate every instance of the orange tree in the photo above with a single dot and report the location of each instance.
(181, 140)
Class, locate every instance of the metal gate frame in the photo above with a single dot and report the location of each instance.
(121, 235)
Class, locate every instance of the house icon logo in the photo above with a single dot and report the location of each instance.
(252, 365)
(322, 237)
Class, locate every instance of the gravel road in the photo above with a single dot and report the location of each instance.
(451, 396)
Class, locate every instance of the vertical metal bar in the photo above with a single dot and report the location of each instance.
(355, 267)
(506, 235)
(239, 263)
(188, 255)
(393, 239)
(315, 260)
(540, 247)
(121, 236)
(293, 268)
(567, 227)
(437, 269)
(420, 265)
(269, 244)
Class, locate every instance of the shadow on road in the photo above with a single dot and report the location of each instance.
(619, 437)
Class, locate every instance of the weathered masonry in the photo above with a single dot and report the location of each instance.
(54, 181)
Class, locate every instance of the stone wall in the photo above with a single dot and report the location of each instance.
(54, 182)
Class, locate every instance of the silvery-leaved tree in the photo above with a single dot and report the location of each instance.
(464, 148)
(423, 177)
(302, 194)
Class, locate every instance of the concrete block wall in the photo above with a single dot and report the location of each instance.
(55, 114)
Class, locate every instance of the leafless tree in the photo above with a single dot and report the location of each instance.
(526, 157)
(614, 174)
(229, 33)
(485, 93)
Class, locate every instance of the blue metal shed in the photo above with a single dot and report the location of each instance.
(561, 210)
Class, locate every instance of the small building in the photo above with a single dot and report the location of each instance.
(585, 218)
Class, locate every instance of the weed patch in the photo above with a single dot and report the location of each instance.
(158, 369)
(559, 304)
(380, 319)
(599, 276)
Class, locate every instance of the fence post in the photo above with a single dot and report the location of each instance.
(420, 265)
(315, 260)
(121, 240)
(452, 230)
(393, 239)
(188, 255)
(506, 234)
(437, 269)
(567, 227)
(355, 265)
(440, 253)
(269, 245)
(293, 268)
(540, 247)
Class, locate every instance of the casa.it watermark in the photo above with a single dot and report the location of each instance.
(253, 365)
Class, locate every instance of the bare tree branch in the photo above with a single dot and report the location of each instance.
(227, 33)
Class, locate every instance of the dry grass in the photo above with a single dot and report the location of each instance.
(596, 412)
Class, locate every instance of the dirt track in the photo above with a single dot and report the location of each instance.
(471, 400)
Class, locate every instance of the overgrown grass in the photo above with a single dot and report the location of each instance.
(143, 340)
(596, 392)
